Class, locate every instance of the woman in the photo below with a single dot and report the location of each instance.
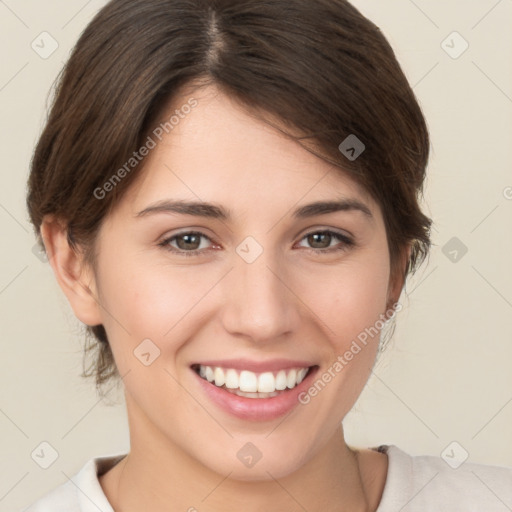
(227, 192)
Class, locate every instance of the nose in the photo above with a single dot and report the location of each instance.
(259, 300)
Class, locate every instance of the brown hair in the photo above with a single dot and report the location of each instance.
(319, 66)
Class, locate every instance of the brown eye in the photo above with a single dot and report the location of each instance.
(320, 241)
(187, 243)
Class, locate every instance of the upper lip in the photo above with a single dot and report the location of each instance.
(271, 365)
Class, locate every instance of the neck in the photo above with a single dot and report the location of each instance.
(157, 473)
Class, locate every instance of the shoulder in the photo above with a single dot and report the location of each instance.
(429, 483)
(81, 493)
(61, 499)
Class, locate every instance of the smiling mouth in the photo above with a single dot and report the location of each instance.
(251, 384)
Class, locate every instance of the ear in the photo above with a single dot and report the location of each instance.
(396, 282)
(74, 277)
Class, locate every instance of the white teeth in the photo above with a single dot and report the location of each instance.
(301, 374)
(247, 381)
(231, 379)
(218, 375)
(266, 383)
(291, 378)
(250, 382)
(253, 395)
(281, 380)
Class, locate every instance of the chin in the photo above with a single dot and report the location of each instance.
(261, 468)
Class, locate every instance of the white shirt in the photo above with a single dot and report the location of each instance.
(422, 483)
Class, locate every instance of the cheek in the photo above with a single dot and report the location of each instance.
(151, 300)
(348, 306)
(143, 300)
(349, 297)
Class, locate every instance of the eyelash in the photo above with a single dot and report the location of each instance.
(347, 243)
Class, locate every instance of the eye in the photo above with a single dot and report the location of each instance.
(321, 241)
(188, 243)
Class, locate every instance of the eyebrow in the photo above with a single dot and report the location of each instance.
(215, 211)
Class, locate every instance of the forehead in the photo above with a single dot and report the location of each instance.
(218, 151)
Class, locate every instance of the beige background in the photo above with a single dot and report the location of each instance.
(446, 376)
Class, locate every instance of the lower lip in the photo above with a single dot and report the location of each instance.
(256, 409)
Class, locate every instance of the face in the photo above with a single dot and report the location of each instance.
(260, 285)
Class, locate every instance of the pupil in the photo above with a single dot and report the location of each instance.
(189, 239)
(316, 236)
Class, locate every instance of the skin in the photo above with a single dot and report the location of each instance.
(290, 302)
